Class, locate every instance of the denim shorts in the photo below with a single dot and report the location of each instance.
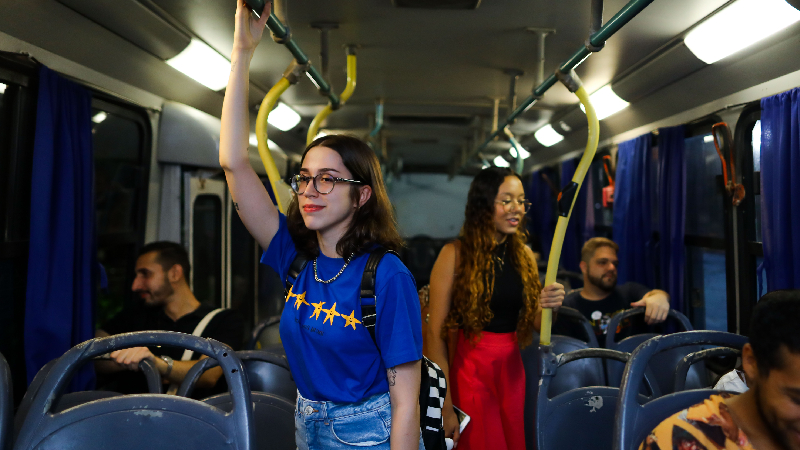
(330, 425)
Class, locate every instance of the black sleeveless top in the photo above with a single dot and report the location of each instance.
(506, 301)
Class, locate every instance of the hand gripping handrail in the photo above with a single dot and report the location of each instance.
(282, 35)
(594, 43)
(566, 199)
(290, 76)
(346, 94)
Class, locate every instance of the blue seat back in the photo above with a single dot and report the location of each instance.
(6, 404)
(274, 416)
(583, 372)
(265, 334)
(663, 365)
(267, 371)
(117, 422)
(579, 418)
(682, 369)
(635, 421)
(573, 315)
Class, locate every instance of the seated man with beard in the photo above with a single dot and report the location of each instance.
(767, 416)
(168, 304)
(601, 298)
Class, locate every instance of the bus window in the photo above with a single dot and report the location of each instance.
(121, 161)
(243, 261)
(704, 236)
(207, 249)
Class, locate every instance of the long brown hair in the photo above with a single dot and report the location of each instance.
(373, 223)
(474, 281)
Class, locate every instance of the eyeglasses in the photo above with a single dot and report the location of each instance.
(323, 183)
(509, 204)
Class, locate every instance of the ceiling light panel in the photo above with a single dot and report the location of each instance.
(283, 117)
(501, 162)
(738, 26)
(548, 136)
(203, 64)
(606, 103)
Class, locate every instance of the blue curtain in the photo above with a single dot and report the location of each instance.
(780, 189)
(632, 211)
(541, 217)
(60, 297)
(573, 239)
(672, 213)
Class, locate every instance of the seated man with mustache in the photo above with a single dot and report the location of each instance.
(601, 298)
(168, 304)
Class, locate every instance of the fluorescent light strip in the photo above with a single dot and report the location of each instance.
(606, 102)
(548, 136)
(203, 64)
(525, 154)
(2, 88)
(501, 162)
(283, 117)
(738, 26)
(99, 117)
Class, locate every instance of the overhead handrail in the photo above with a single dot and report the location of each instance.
(722, 140)
(282, 35)
(290, 76)
(593, 44)
(348, 91)
(566, 199)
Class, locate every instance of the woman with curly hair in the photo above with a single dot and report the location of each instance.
(486, 285)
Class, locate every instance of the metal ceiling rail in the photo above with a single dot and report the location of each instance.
(595, 41)
(284, 37)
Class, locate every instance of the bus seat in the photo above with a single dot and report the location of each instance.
(267, 371)
(582, 417)
(117, 422)
(635, 421)
(6, 404)
(575, 316)
(679, 379)
(265, 334)
(273, 413)
(273, 393)
(584, 372)
(66, 401)
(663, 365)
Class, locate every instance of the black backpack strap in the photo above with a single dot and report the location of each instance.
(369, 313)
(295, 268)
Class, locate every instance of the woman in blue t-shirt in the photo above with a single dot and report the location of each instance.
(486, 285)
(353, 391)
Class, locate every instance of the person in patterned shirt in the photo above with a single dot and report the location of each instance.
(768, 415)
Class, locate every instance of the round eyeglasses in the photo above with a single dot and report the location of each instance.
(323, 183)
(509, 205)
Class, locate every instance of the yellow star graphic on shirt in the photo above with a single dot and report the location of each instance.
(300, 300)
(317, 310)
(350, 321)
(330, 314)
(290, 295)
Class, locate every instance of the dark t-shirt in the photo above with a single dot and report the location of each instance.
(599, 313)
(227, 327)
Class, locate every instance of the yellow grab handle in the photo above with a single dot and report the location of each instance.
(261, 134)
(346, 94)
(561, 225)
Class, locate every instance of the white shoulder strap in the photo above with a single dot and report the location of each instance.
(187, 354)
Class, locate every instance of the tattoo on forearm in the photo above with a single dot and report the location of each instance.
(391, 375)
(236, 205)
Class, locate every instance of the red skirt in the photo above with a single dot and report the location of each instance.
(488, 383)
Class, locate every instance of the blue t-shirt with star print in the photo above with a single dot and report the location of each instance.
(331, 354)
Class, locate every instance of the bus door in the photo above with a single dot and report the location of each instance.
(206, 224)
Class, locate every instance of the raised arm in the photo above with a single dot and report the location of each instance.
(441, 299)
(250, 197)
